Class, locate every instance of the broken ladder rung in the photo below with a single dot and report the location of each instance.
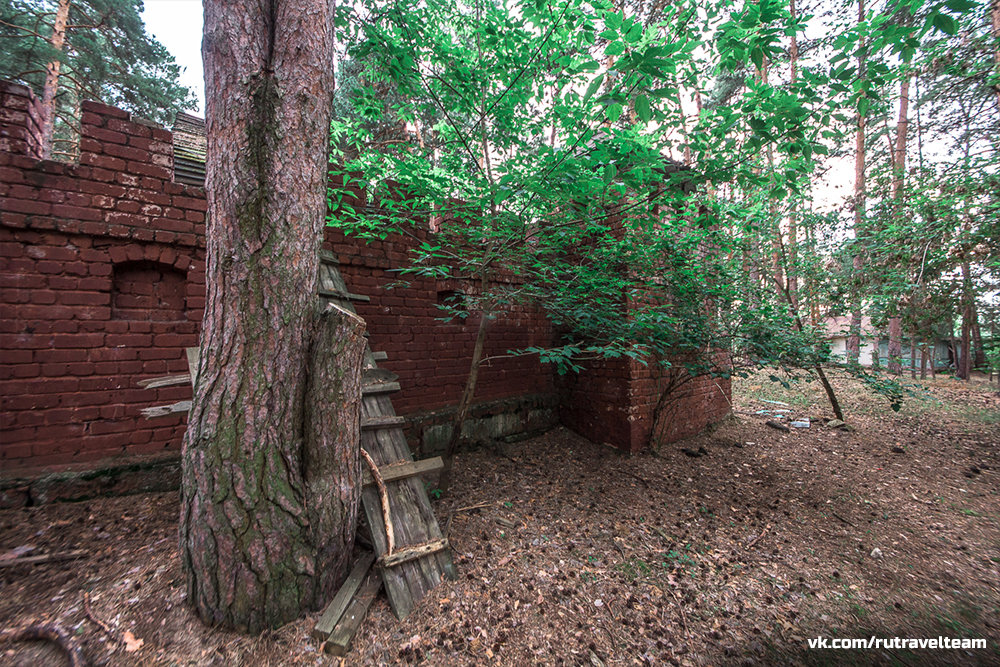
(380, 356)
(379, 388)
(397, 471)
(327, 257)
(166, 410)
(407, 554)
(330, 294)
(381, 422)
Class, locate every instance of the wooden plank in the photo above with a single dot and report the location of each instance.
(327, 257)
(166, 410)
(376, 375)
(332, 294)
(334, 610)
(379, 388)
(395, 471)
(340, 641)
(44, 558)
(193, 355)
(414, 552)
(380, 356)
(381, 422)
(165, 381)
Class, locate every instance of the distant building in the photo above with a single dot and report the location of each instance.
(873, 338)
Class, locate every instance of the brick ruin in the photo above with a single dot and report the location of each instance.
(102, 272)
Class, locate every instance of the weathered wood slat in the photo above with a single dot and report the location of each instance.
(381, 422)
(333, 294)
(335, 610)
(327, 257)
(396, 471)
(379, 388)
(376, 375)
(165, 381)
(414, 552)
(350, 622)
(193, 356)
(380, 356)
(166, 410)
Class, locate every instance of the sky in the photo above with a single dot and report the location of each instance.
(177, 25)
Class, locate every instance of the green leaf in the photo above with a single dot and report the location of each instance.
(642, 109)
(613, 20)
(960, 6)
(863, 104)
(614, 49)
(614, 112)
(592, 88)
(945, 24)
(757, 56)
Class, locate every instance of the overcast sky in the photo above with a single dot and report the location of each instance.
(177, 25)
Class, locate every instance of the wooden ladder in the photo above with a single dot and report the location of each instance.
(422, 558)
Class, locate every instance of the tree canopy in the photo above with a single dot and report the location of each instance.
(105, 54)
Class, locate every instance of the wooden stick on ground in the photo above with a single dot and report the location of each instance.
(45, 558)
(389, 534)
(98, 622)
(757, 539)
(49, 632)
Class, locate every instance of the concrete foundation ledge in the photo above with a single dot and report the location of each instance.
(506, 419)
(115, 477)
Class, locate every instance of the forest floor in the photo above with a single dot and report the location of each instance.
(735, 557)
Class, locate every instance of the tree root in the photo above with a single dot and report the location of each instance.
(48, 632)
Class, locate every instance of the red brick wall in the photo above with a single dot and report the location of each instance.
(431, 357)
(20, 120)
(102, 283)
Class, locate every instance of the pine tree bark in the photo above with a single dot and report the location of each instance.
(854, 337)
(52, 78)
(898, 174)
(271, 472)
(995, 20)
(792, 270)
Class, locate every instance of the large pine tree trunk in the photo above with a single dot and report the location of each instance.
(271, 476)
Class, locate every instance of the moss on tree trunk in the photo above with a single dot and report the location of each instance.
(271, 476)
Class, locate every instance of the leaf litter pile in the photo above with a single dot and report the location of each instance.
(731, 548)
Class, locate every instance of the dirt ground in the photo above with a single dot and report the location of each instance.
(577, 555)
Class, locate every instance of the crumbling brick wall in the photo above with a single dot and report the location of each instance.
(102, 284)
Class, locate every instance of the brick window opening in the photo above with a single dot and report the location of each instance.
(148, 292)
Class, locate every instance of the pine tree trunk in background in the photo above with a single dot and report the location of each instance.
(792, 269)
(271, 472)
(995, 17)
(965, 365)
(854, 337)
(52, 78)
(978, 351)
(898, 174)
